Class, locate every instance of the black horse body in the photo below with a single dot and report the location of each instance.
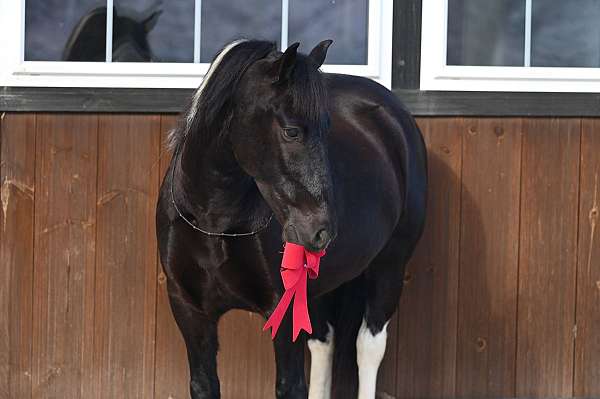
(376, 173)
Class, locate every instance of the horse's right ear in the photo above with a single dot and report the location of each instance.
(319, 53)
(284, 65)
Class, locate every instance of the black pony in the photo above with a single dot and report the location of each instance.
(87, 41)
(340, 164)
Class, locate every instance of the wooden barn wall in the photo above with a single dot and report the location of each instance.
(502, 297)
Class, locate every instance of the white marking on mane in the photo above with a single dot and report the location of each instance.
(172, 139)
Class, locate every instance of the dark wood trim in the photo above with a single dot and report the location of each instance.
(90, 99)
(406, 47)
(421, 103)
(437, 103)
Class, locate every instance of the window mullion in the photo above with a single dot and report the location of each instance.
(527, 47)
(197, 29)
(285, 6)
(109, 30)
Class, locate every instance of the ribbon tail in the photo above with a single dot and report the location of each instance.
(301, 317)
(277, 316)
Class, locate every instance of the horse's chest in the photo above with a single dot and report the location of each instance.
(244, 277)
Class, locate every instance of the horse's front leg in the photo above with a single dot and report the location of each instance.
(289, 359)
(200, 335)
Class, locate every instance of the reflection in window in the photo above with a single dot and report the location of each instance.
(147, 30)
(565, 33)
(343, 21)
(486, 32)
(52, 28)
(225, 21)
(165, 31)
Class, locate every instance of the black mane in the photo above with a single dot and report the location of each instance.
(206, 113)
(207, 116)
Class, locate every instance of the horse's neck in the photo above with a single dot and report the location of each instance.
(212, 187)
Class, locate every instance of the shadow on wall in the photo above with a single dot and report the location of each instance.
(421, 354)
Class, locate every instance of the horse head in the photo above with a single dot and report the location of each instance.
(278, 133)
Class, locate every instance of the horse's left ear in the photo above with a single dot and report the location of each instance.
(150, 22)
(284, 65)
(319, 53)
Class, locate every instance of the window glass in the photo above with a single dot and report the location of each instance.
(147, 30)
(343, 21)
(565, 33)
(54, 29)
(164, 31)
(225, 21)
(486, 32)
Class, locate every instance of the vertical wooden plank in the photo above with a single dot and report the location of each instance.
(63, 305)
(126, 256)
(386, 378)
(172, 371)
(547, 260)
(428, 307)
(17, 177)
(4, 296)
(489, 258)
(587, 353)
(246, 363)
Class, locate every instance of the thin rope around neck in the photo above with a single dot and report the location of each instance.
(209, 233)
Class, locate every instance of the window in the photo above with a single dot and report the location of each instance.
(511, 45)
(149, 43)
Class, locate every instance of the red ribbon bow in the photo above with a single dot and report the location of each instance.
(296, 265)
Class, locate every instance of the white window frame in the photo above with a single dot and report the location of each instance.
(14, 71)
(436, 75)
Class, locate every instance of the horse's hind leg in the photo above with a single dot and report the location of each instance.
(384, 280)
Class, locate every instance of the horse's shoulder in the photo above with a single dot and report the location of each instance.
(358, 91)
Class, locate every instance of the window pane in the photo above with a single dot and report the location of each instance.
(565, 33)
(147, 30)
(486, 32)
(225, 21)
(56, 30)
(343, 21)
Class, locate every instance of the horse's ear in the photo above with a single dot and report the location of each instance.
(319, 53)
(150, 22)
(284, 65)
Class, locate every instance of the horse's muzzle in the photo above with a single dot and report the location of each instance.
(313, 239)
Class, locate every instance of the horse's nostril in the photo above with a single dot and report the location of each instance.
(322, 238)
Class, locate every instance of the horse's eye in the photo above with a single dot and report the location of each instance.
(291, 133)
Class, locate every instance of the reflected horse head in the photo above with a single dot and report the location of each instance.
(130, 36)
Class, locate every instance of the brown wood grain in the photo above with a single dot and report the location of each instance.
(172, 371)
(547, 259)
(65, 230)
(587, 353)
(386, 378)
(126, 256)
(428, 306)
(89, 317)
(17, 177)
(489, 239)
(246, 363)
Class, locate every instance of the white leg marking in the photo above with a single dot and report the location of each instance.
(321, 363)
(369, 353)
